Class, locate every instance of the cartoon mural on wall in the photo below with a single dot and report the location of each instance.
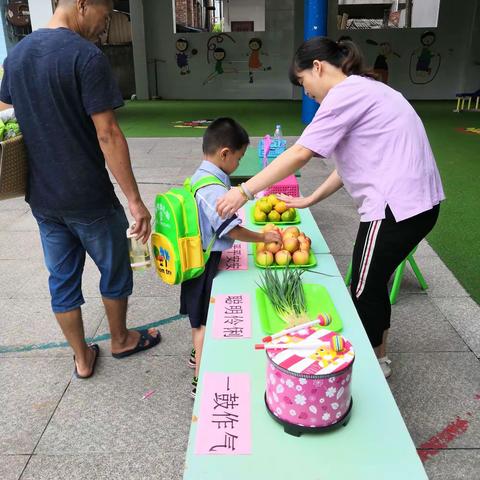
(218, 54)
(182, 56)
(424, 62)
(254, 61)
(385, 52)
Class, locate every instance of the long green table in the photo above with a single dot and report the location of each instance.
(374, 445)
(249, 166)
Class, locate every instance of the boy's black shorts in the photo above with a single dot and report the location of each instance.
(195, 294)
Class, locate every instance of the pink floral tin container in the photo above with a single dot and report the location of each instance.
(308, 389)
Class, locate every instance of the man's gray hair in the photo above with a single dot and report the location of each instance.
(92, 2)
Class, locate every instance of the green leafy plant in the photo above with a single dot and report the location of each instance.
(285, 291)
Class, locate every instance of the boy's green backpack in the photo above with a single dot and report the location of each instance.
(177, 241)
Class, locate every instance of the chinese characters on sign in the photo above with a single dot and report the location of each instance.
(231, 316)
(224, 425)
(235, 258)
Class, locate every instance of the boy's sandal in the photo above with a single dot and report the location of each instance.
(192, 362)
(96, 350)
(146, 341)
(193, 392)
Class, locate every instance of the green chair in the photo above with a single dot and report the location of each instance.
(397, 280)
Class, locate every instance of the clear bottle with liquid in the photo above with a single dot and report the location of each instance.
(278, 135)
(139, 252)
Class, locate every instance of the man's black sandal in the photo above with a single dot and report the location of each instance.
(96, 349)
(146, 341)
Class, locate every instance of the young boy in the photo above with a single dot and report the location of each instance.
(224, 144)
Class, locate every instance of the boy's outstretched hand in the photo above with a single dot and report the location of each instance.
(272, 236)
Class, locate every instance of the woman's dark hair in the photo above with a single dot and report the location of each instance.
(343, 54)
(224, 132)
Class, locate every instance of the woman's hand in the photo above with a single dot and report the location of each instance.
(230, 203)
(296, 202)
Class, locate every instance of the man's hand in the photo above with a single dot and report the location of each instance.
(142, 217)
(272, 236)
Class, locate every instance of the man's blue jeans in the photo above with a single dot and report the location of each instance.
(66, 240)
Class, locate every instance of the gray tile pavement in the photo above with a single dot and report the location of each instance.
(418, 326)
(30, 393)
(433, 389)
(107, 414)
(462, 314)
(30, 326)
(11, 466)
(157, 465)
(454, 465)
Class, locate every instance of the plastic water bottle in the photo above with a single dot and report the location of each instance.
(278, 133)
(139, 252)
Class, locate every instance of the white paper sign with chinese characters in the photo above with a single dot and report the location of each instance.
(224, 422)
(232, 317)
(235, 258)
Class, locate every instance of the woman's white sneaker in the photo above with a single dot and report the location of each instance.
(385, 366)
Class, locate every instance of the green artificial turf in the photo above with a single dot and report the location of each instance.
(456, 237)
(156, 118)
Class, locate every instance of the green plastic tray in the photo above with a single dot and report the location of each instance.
(318, 301)
(312, 260)
(295, 221)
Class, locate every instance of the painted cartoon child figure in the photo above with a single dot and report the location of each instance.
(219, 55)
(427, 61)
(182, 57)
(426, 55)
(254, 62)
(380, 66)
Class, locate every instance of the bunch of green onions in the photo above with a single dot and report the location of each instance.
(285, 292)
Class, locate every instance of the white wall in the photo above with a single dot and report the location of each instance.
(425, 13)
(40, 12)
(139, 49)
(278, 42)
(471, 79)
(453, 36)
(361, 2)
(457, 42)
(244, 10)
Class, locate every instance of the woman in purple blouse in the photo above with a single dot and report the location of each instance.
(383, 159)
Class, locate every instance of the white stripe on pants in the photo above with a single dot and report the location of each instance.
(368, 250)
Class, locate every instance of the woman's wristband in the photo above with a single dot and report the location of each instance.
(240, 189)
(247, 192)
